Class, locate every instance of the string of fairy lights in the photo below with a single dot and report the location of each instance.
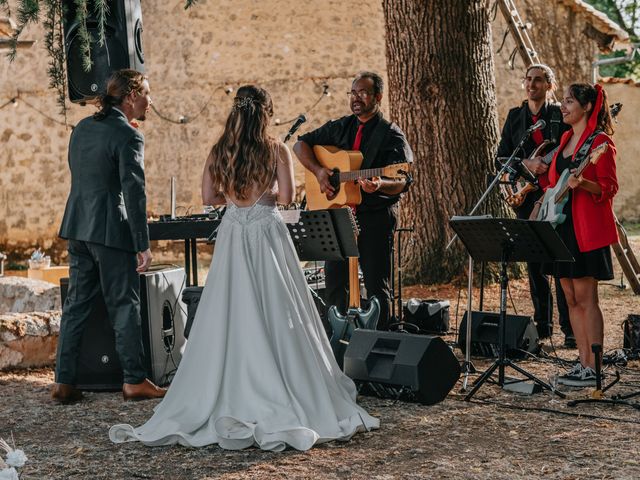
(177, 119)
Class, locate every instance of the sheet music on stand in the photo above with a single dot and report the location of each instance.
(508, 240)
(324, 235)
(526, 240)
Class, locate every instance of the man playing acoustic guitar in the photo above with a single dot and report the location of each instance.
(382, 143)
(539, 83)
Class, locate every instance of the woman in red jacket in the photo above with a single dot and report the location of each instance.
(589, 228)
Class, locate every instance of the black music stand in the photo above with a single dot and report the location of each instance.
(507, 240)
(324, 235)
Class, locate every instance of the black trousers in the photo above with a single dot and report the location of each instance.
(374, 245)
(94, 268)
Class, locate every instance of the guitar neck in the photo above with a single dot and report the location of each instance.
(549, 156)
(354, 283)
(355, 174)
(565, 188)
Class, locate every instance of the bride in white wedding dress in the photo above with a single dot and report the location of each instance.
(258, 369)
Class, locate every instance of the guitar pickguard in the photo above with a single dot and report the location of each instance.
(551, 211)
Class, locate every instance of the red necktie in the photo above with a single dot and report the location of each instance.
(358, 140)
(537, 136)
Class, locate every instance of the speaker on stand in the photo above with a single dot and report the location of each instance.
(122, 47)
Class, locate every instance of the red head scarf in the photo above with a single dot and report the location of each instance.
(593, 119)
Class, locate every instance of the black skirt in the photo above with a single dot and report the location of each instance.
(595, 263)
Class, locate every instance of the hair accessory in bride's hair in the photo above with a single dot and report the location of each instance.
(243, 102)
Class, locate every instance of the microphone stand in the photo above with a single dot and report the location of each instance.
(467, 366)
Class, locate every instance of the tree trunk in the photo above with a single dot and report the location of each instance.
(442, 94)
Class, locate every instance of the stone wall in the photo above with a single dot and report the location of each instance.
(627, 202)
(292, 49)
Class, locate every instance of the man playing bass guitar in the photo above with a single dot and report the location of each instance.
(539, 83)
(382, 143)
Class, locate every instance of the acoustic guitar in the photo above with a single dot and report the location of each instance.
(345, 165)
(515, 190)
(342, 326)
(550, 207)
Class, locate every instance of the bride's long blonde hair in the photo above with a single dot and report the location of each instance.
(244, 157)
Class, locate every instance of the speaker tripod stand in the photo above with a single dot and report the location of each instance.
(508, 240)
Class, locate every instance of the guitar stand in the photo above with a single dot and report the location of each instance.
(399, 325)
(508, 240)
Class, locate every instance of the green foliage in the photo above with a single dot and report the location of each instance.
(624, 13)
(54, 41)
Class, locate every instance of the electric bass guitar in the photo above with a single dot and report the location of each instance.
(554, 200)
(342, 326)
(345, 165)
(515, 190)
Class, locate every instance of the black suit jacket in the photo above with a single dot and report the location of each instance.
(517, 122)
(107, 203)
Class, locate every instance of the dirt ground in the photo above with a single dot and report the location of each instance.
(497, 435)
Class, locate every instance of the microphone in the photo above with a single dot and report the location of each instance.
(537, 126)
(296, 125)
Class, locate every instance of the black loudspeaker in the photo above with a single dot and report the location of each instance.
(631, 328)
(430, 316)
(521, 335)
(164, 318)
(163, 322)
(122, 47)
(394, 364)
(98, 363)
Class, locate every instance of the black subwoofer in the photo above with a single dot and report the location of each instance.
(393, 364)
(163, 322)
(98, 363)
(122, 47)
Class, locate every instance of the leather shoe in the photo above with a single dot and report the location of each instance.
(142, 391)
(65, 394)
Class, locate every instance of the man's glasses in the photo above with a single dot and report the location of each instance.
(361, 94)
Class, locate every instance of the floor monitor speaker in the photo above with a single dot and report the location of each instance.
(395, 364)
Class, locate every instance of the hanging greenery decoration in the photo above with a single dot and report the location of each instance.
(28, 11)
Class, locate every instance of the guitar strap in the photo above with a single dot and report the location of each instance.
(586, 146)
(375, 142)
(556, 118)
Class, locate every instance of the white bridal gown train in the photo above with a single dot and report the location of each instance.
(258, 369)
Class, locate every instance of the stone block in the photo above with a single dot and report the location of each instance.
(28, 339)
(23, 295)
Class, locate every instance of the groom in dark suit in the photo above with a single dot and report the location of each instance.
(105, 221)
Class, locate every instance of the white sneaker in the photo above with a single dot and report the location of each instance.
(578, 376)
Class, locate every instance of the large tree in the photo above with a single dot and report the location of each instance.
(442, 93)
